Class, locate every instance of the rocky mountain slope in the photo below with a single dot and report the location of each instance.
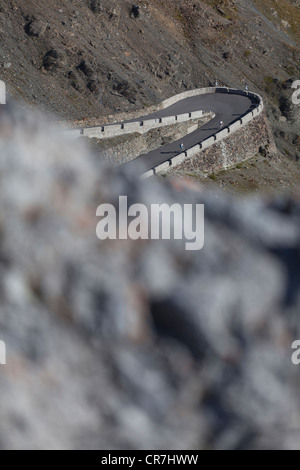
(90, 58)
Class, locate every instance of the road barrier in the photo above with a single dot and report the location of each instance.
(138, 126)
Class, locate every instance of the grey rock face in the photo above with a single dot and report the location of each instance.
(139, 345)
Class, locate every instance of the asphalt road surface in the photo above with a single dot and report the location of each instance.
(227, 108)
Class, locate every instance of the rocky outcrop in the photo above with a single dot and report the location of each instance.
(53, 60)
(96, 6)
(138, 345)
(35, 27)
(135, 11)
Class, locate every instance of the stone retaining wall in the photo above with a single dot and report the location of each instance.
(242, 145)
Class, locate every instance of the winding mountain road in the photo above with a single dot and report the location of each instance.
(227, 107)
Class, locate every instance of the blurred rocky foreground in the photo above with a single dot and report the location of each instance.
(139, 345)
